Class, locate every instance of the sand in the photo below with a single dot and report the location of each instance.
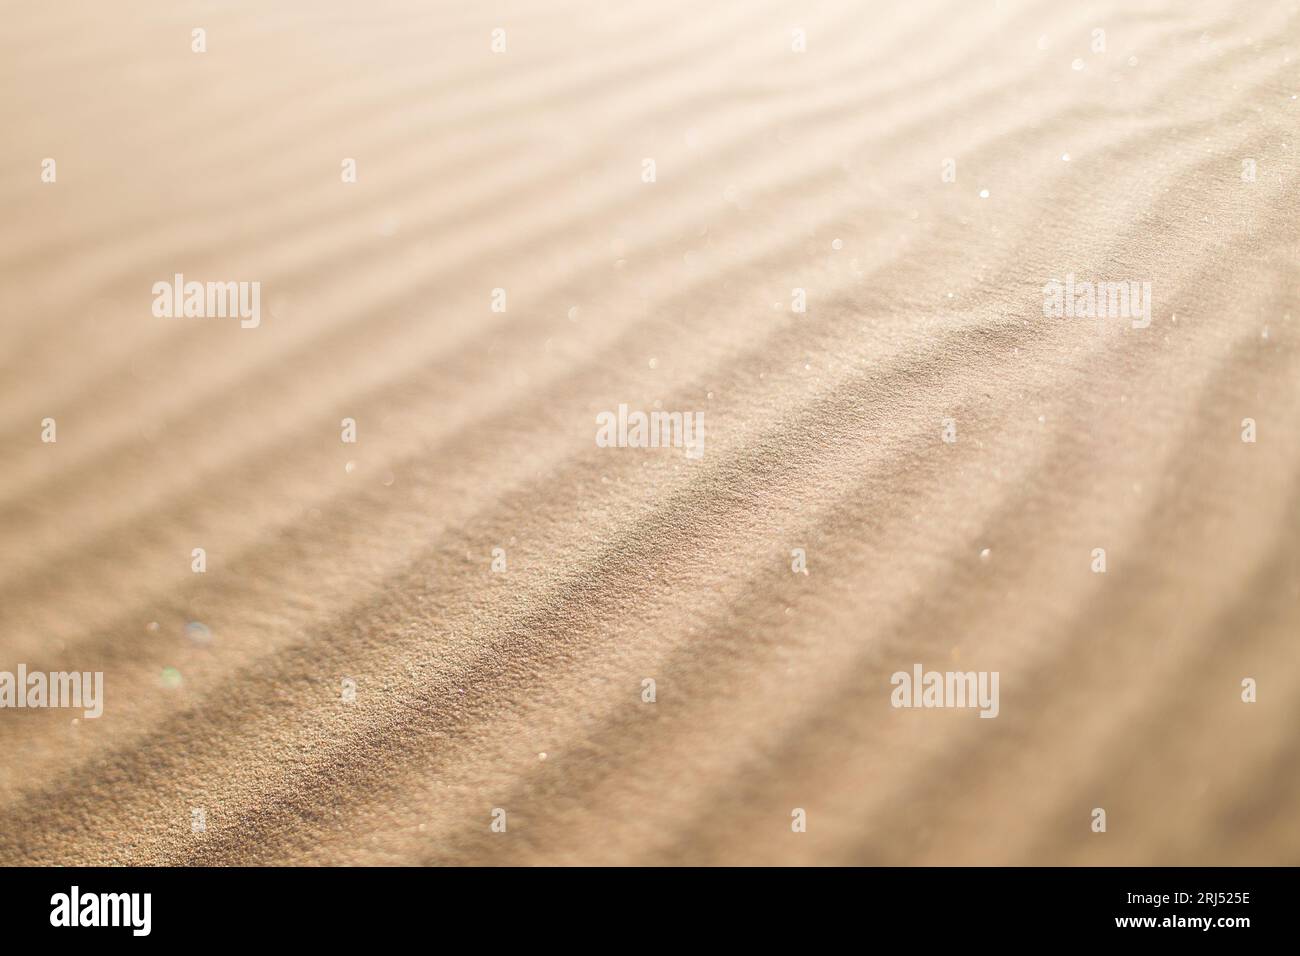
(350, 681)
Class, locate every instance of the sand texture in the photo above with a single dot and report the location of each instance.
(1170, 157)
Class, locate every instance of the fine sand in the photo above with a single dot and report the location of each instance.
(522, 690)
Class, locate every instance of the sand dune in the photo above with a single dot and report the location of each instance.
(919, 170)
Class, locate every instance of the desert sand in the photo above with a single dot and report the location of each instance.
(350, 681)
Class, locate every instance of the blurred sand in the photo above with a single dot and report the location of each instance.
(522, 170)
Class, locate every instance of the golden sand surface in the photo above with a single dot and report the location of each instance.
(920, 169)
